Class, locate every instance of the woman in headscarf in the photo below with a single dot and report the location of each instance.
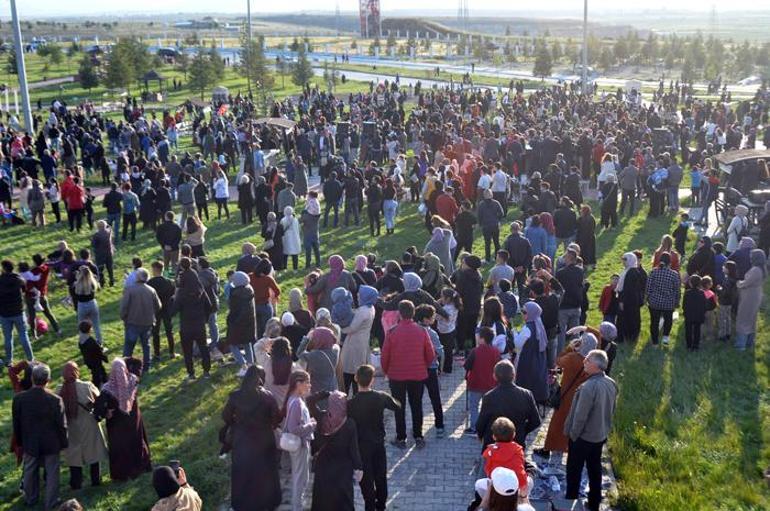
(630, 290)
(298, 422)
(742, 256)
(571, 362)
(355, 351)
(441, 243)
(585, 235)
(174, 494)
(337, 458)
(148, 209)
(195, 235)
(337, 276)
(319, 353)
(129, 448)
(292, 245)
(274, 356)
(389, 205)
(433, 280)
(241, 320)
(702, 261)
(272, 232)
(363, 275)
(750, 294)
(301, 315)
(531, 343)
(739, 226)
(194, 307)
(263, 198)
(250, 416)
(546, 221)
(86, 445)
(246, 199)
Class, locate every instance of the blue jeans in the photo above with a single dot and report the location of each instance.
(474, 398)
(90, 311)
(238, 356)
(141, 333)
(673, 197)
(113, 220)
(568, 318)
(389, 209)
(264, 313)
(213, 329)
(20, 322)
(311, 243)
(742, 341)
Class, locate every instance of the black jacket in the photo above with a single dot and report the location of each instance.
(11, 295)
(511, 401)
(112, 202)
(520, 251)
(169, 233)
(694, 306)
(565, 222)
(332, 190)
(571, 279)
(39, 423)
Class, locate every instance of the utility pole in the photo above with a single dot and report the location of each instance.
(584, 79)
(21, 69)
(248, 45)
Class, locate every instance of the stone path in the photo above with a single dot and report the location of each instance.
(441, 476)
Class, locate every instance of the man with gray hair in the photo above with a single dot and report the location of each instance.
(588, 426)
(40, 428)
(138, 308)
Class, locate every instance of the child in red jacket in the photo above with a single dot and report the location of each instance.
(608, 303)
(505, 452)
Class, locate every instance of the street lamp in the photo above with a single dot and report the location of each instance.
(584, 79)
(21, 69)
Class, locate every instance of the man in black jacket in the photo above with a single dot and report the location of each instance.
(565, 222)
(165, 289)
(520, 256)
(507, 400)
(332, 194)
(12, 288)
(571, 279)
(169, 235)
(113, 204)
(490, 212)
(40, 428)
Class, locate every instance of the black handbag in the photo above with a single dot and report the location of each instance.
(554, 400)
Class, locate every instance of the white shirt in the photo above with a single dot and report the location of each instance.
(499, 181)
(485, 181)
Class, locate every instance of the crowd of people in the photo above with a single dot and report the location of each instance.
(308, 370)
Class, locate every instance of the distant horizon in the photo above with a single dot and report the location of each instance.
(49, 9)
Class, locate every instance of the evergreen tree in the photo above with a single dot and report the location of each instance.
(87, 75)
(201, 73)
(254, 64)
(216, 62)
(11, 66)
(391, 40)
(303, 71)
(543, 61)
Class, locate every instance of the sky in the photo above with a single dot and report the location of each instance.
(43, 8)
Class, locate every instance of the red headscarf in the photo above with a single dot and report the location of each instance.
(322, 338)
(69, 391)
(336, 413)
(336, 266)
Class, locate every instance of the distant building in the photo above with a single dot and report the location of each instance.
(206, 23)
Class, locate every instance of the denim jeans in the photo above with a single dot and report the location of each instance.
(311, 243)
(213, 329)
(238, 356)
(673, 197)
(389, 209)
(90, 311)
(474, 398)
(141, 333)
(113, 220)
(568, 318)
(264, 313)
(20, 323)
(742, 341)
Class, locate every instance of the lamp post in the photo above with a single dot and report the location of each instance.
(21, 69)
(584, 79)
(248, 45)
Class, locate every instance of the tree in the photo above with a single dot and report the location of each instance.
(87, 75)
(201, 73)
(353, 44)
(73, 49)
(543, 61)
(128, 62)
(294, 46)
(375, 44)
(303, 71)
(216, 62)
(11, 66)
(621, 49)
(391, 42)
(508, 30)
(556, 51)
(253, 63)
(182, 62)
(606, 58)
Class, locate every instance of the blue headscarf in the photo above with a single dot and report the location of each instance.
(367, 296)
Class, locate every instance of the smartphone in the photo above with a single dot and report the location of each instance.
(174, 464)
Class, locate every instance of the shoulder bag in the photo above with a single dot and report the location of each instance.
(554, 400)
(289, 442)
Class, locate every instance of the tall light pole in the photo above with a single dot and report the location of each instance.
(584, 79)
(248, 45)
(21, 69)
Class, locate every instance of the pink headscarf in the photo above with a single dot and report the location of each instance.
(122, 385)
(361, 262)
(336, 266)
(322, 338)
(546, 221)
(336, 413)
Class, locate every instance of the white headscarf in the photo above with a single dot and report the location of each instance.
(629, 259)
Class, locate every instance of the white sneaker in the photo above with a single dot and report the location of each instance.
(665, 340)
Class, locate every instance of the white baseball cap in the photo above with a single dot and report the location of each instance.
(504, 481)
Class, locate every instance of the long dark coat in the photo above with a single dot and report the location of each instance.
(251, 416)
(241, 317)
(586, 238)
(531, 370)
(129, 448)
(337, 458)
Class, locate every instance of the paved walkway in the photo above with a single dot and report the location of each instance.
(441, 476)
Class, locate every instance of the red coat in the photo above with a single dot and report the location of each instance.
(407, 352)
(446, 207)
(509, 455)
(480, 376)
